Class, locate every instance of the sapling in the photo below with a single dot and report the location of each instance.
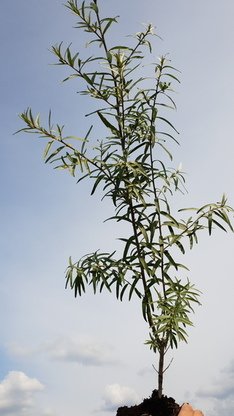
(129, 166)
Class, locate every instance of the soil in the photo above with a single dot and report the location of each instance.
(153, 406)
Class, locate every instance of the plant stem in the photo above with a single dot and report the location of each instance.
(161, 369)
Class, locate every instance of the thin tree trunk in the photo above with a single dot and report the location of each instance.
(161, 370)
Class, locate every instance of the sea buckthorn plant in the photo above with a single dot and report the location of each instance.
(129, 166)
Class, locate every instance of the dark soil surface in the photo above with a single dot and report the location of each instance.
(153, 406)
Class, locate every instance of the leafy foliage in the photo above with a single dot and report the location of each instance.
(129, 167)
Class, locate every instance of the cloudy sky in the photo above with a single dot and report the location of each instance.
(65, 356)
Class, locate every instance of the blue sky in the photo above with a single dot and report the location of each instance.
(60, 355)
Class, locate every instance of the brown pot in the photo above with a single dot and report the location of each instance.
(187, 410)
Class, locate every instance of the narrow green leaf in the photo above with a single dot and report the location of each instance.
(54, 153)
(210, 222)
(180, 246)
(47, 148)
(168, 122)
(108, 124)
(171, 260)
(133, 287)
(119, 47)
(96, 183)
(123, 291)
(144, 265)
(219, 225)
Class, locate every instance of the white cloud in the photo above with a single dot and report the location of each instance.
(20, 351)
(116, 396)
(221, 393)
(47, 412)
(220, 390)
(144, 371)
(224, 407)
(223, 387)
(87, 353)
(17, 394)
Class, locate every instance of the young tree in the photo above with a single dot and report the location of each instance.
(129, 167)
